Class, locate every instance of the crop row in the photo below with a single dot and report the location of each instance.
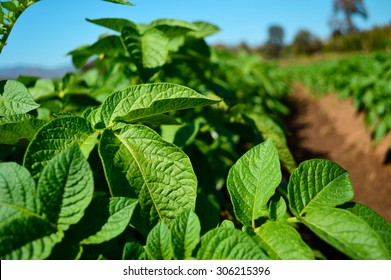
(366, 79)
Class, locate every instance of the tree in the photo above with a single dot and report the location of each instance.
(305, 43)
(348, 8)
(275, 42)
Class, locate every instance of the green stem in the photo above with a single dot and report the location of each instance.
(293, 220)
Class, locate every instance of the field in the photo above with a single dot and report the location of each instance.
(163, 147)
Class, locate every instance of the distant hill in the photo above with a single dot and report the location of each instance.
(14, 72)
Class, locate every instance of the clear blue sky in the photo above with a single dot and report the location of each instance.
(49, 29)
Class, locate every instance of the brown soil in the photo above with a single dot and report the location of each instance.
(329, 128)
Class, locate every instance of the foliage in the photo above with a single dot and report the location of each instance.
(122, 160)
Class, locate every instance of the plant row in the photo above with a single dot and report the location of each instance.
(363, 78)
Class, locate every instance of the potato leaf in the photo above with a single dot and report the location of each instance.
(139, 164)
(346, 232)
(15, 99)
(224, 243)
(252, 181)
(318, 183)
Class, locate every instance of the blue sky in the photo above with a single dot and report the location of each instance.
(48, 30)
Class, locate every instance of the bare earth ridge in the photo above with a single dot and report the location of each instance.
(329, 128)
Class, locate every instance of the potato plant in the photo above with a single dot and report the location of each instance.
(167, 149)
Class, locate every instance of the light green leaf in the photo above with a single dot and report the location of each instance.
(148, 50)
(43, 89)
(283, 242)
(116, 24)
(142, 101)
(204, 29)
(227, 224)
(185, 232)
(65, 188)
(110, 217)
(318, 183)
(56, 136)
(15, 99)
(175, 30)
(19, 129)
(225, 243)
(158, 246)
(139, 164)
(252, 181)
(181, 134)
(373, 219)
(346, 232)
(25, 234)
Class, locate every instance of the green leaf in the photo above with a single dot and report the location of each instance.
(25, 234)
(65, 188)
(182, 134)
(373, 219)
(185, 232)
(204, 29)
(108, 218)
(121, 2)
(252, 181)
(116, 24)
(142, 101)
(133, 251)
(277, 208)
(10, 6)
(346, 232)
(148, 50)
(56, 136)
(15, 99)
(43, 89)
(175, 30)
(158, 246)
(19, 129)
(225, 243)
(282, 241)
(318, 183)
(227, 224)
(139, 164)
(271, 130)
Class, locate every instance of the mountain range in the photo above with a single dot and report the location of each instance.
(9, 73)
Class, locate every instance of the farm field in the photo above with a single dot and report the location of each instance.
(161, 146)
(331, 128)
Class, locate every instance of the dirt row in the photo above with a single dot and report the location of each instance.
(329, 128)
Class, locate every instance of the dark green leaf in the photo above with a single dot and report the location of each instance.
(158, 245)
(65, 188)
